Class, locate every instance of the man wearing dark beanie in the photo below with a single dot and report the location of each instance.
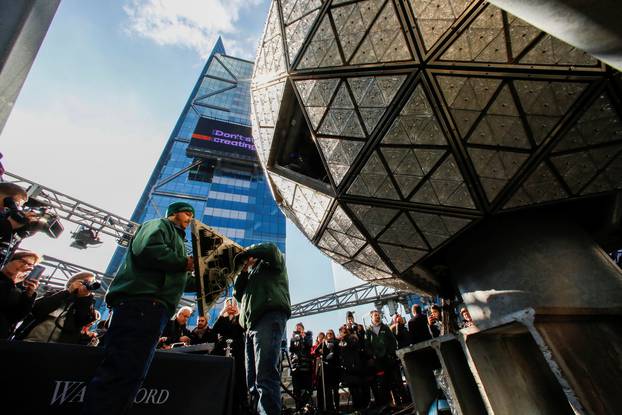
(143, 297)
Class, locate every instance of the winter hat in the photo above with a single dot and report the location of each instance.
(179, 207)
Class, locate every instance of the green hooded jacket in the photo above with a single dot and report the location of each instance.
(154, 266)
(265, 288)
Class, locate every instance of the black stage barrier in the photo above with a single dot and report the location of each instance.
(48, 378)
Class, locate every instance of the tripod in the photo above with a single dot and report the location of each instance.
(286, 363)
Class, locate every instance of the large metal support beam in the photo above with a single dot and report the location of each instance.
(359, 295)
(590, 25)
(76, 211)
(22, 28)
(58, 273)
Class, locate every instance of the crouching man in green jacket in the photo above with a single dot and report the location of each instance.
(143, 297)
(262, 290)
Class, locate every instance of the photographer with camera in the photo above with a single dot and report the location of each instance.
(59, 316)
(17, 293)
(300, 354)
(12, 198)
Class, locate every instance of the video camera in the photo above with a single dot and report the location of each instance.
(46, 222)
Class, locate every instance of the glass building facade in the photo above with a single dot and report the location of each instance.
(224, 182)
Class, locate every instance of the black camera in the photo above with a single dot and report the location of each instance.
(46, 221)
(91, 286)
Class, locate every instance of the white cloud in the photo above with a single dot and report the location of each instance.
(194, 24)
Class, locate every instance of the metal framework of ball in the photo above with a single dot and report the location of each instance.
(389, 128)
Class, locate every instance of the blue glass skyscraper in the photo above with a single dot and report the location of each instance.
(210, 162)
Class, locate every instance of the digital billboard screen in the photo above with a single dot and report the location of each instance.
(222, 136)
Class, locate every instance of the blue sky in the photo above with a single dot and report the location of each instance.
(106, 89)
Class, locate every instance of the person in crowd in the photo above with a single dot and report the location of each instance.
(301, 365)
(435, 324)
(176, 330)
(143, 296)
(319, 339)
(381, 345)
(418, 326)
(17, 295)
(231, 339)
(350, 323)
(12, 198)
(59, 316)
(262, 290)
(467, 320)
(351, 365)
(202, 332)
(398, 328)
(88, 336)
(328, 379)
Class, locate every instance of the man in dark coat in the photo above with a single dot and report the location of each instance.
(143, 297)
(59, 316)
(176, 330)
(262, 290)
(17, 295)
(418, 326)
(380, 344)
(202, 333)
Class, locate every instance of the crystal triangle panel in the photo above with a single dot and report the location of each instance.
(339, 155)
(521, 35)
(351, 26)
(609, 179)
(435, 17)
(373, 181)
(545, 103)
(369, 256)
(402, 258)
(482, 41)
(540, 186)
(295, 9)
(466, 98)
(366, 272)
(495, 168)
(445, 187)
(310, 206)
(416, 123)
(296, 33)
(267, 103)
(373, 218)
(322, 51)
(270, 60)
(410, 166)
(552, 51)
(502, 124)
(402, 232)
(436, 228)
(285, 187)
(599, 124)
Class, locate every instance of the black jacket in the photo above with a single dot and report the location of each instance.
(300, 352)
(418, 329)
(15, 305)
(174, 331)
(230, 329)
(77, 313)
(202, 336)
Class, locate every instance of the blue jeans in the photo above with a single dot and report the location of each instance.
(263, 348)
(129, 344)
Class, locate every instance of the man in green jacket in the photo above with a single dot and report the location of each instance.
(262, 290)
(143, 297)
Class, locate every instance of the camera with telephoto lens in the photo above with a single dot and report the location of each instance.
(91, 286)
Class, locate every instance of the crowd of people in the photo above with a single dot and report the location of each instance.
(362, 359)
